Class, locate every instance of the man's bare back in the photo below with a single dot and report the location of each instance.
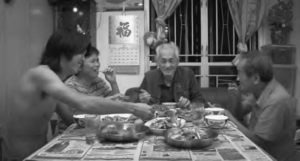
(41, 88)
(30, 113)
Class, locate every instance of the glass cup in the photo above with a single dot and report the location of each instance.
(197, 111)
(91, 121)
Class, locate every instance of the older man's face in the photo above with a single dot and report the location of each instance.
(246, 83)
(167, 62)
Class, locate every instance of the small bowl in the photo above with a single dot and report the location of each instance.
(216, 121)
(214, 111)
(86, 120)
(170, 105)
(79, 120)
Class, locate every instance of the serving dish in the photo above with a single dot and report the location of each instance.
(216, 121)
(190, 137)
(121, 132)
(170, 105)
(214, 111)
(84, 120)
(123, 117)
(158, 126)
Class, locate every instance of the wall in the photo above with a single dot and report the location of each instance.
(295, 39)
(24, 29)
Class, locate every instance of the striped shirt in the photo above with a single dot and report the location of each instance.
(97, 88)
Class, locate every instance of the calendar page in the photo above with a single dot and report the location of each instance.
(124, 40)
(124, 55)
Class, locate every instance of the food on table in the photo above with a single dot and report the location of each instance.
(120, 118)
(117, 131)
(164, 124)
(189, 134)
(190, 137)
(159, 125)
(190, 115)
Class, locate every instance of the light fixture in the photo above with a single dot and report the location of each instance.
(139, 4)
(75, 9)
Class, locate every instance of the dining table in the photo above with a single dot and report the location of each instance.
(77, 143)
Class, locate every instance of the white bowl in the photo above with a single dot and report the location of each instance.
(214, 111)
(216, 121)
(170, 105)
(79, 119)
(86, 120)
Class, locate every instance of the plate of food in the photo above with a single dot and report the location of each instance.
(190, 137)
(121, 132)
(160, 110)
(122, 118)
(160, 125)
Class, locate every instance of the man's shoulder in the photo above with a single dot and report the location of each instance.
(152, 72)
(279, 93)
(40, 69)
(41, 72)
(185, 69)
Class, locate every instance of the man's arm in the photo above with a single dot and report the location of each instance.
(65, 113)
(244, 130)
(50, 83)
(196, 96)
(110, 76)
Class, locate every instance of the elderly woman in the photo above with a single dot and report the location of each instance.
(169, 82)
(86, 81)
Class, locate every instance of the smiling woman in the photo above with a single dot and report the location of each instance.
(86, 81)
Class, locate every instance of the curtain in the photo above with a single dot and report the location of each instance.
(163, 8)
(247, 16)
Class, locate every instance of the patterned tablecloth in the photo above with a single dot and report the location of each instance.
(81, 144)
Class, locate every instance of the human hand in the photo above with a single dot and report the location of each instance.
(248, 100)
(233, 86)
(183, 102)
(144, 96)
(144, 111)
(109, 74)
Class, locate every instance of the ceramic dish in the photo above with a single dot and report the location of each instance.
(170, 105)
(191, 138)
(121, 132)
(216, 121)
(82, 120)
(214, 111)
(158, 126)
(125, 118)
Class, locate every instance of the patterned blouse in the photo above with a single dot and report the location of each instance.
(97, 88)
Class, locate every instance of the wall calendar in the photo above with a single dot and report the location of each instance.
(124, 42)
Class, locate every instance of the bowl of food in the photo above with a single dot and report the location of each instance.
(79, 120)
(121, 132)
(214, 111)
(170, 105)
(190, 137)
(160, 125)
(216, 121)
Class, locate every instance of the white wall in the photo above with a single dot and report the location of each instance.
(125, 81)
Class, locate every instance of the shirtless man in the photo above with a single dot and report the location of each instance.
(42, 87)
